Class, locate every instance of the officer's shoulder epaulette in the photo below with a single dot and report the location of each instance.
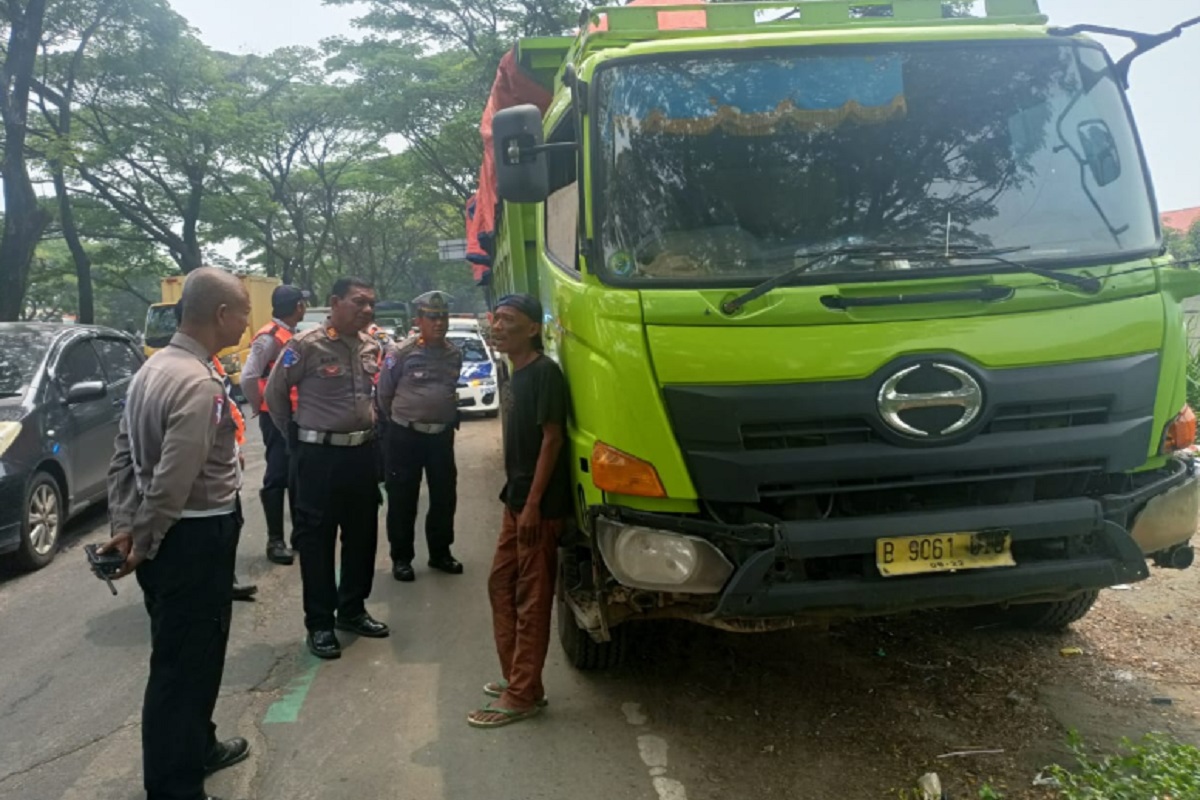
(407, 346)
(309, 335)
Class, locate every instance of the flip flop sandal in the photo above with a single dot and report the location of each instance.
(498, 688)
(507, 716)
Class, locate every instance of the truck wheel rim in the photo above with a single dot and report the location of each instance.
(43, 519)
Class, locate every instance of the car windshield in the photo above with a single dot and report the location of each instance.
(20, 355)
(472, 349)
(725, 168)
(313, 318)
(160, 325)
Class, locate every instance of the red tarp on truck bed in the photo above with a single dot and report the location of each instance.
(513, 87)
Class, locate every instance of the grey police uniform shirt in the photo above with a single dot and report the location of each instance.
(336, 376)
(419, 383)
(176, 449)
(264, 351)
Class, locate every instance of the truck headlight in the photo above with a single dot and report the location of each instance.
(645, 558)
(8, 434)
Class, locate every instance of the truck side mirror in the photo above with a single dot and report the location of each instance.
(522, 174)
(1103, 158)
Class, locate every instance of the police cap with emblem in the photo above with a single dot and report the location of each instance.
(432, 304)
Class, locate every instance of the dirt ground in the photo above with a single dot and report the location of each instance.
(864, 709)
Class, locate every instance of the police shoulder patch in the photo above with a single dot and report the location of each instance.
(290, 357)
(389, 361)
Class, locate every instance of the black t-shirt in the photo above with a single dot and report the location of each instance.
(539, 395)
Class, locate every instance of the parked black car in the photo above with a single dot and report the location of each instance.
(62, 390)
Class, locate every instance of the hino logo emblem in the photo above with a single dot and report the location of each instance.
(968, 396)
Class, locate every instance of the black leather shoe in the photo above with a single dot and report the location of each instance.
(244, 591)
(364, 625)
(447, 564)
(226, 754)
(278, 552)
(403, 572)
(324, 644)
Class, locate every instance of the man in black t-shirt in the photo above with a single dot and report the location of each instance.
(536, 500)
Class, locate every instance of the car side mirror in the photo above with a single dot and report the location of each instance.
(1100, 149)
(85, 392)
(522, 172)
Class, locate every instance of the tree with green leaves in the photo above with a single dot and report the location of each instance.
(151, 133)
(1185, 246)
(24, 217)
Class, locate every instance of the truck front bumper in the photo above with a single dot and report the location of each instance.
(1061, 548)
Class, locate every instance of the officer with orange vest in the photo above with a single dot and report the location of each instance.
(288, 305)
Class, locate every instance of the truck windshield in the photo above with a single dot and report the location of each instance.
(715, 169)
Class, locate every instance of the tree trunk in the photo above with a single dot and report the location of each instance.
(24, 218)
(83, 263)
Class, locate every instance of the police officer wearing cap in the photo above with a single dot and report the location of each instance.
(418, 393)
(331, 430)
(288, 305)
(173, 502)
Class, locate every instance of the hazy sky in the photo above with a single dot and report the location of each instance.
(1164, 94)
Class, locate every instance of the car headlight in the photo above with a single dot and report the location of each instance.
(8, 434)
(644, 558)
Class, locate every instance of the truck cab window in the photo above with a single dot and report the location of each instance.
(562, 206)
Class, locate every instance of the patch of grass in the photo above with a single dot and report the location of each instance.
(1157, 767)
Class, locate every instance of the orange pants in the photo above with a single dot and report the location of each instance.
(521, 588)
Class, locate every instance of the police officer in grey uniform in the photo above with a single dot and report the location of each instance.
(331, 432)
(173, 502)
(418, 394)
(288, 305)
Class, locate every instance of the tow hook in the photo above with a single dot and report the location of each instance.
(1180, 556)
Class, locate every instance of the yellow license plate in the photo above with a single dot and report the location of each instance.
(943, 552)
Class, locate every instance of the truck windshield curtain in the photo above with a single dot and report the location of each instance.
(717, 168)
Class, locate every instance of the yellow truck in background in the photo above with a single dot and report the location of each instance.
(160, 319)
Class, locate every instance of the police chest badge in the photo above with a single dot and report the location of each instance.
(290, 357)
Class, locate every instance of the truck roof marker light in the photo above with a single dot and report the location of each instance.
(1180, 432)
(620, 473)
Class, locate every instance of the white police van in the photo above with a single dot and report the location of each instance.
(477, 388)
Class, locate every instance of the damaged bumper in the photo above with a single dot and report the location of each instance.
(828, 567)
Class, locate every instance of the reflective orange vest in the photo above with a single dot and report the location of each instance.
(239, 421)
(281, 335)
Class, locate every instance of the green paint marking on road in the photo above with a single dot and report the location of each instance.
(287, 708)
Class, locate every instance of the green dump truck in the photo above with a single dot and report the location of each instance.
(864, 308)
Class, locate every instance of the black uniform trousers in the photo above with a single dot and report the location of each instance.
(188, 589)
(410, 453)
(276, 475)
(336, 488)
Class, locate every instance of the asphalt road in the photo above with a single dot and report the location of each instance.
(855, 712)
(388, 720)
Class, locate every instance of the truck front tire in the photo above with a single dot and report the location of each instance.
(584, 652)
(1052, 616)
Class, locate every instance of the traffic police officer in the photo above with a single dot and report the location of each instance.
(288, 305)
(173, 503)
(331, 430)
(418, 393)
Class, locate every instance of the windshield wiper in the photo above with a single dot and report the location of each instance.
(1083, 283)
(914, 252)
